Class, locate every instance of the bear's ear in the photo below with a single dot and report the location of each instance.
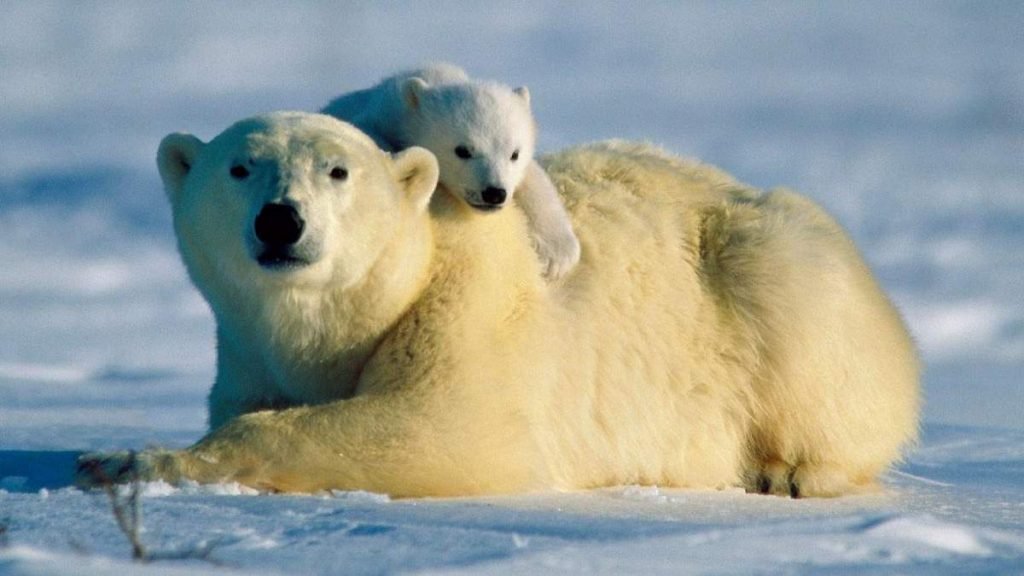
(412, 92)
(524, 93)
(417, 172)
(175, 158)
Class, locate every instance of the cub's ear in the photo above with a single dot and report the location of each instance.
(412, 92)
(175, 158)
(524, 93)
(417, 173)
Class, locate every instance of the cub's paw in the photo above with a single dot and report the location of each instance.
(559, 252)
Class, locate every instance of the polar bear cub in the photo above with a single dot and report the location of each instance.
(483, 135)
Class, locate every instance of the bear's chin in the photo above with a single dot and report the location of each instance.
(276, 261)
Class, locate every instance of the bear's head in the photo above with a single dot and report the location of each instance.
(289, 200)
(483, 135)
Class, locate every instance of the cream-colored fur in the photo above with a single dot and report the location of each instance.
(712, 335)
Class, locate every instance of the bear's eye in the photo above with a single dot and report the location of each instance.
(463, 152)
(338, 173)
(239, 172)
(515, 155)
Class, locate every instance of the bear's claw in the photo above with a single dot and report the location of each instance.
(775, 477)
(98, 469)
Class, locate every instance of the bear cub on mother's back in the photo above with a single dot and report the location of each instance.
(483, 134)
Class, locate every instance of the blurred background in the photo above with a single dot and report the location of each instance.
(906, 120)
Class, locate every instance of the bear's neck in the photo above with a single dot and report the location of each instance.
(484, 278)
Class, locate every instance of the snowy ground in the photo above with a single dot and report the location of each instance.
(907, 122)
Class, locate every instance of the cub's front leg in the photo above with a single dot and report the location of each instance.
(550, 228)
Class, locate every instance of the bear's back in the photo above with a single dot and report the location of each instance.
(720, 300)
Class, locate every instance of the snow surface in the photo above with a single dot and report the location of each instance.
(906, 120)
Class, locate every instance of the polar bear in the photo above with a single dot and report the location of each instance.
(370, 338)
(483, 135)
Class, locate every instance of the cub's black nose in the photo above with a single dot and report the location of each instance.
(279, 224)
(494, 196)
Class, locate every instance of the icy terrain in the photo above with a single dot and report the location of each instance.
(907, 122)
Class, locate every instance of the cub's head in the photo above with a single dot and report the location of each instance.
(289, 200)
(483, 135)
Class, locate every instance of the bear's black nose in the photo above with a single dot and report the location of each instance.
(279, 224)
(494, 196)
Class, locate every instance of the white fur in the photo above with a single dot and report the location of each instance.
(348, 226)
(712, 335)
(439, 108)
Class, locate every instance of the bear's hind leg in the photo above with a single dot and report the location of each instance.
(773, 476)
(828, 480)
(804, 480)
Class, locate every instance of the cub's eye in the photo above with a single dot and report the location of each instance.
(463, 152)
(338, 173)
(515, 155)
(239, 172)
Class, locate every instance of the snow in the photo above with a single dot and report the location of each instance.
(906, 120)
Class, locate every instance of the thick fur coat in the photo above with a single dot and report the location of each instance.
(712, 335)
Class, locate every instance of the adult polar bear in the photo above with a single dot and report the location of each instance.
(711, 336)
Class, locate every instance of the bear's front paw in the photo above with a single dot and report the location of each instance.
(558, 253)
(98, 469)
